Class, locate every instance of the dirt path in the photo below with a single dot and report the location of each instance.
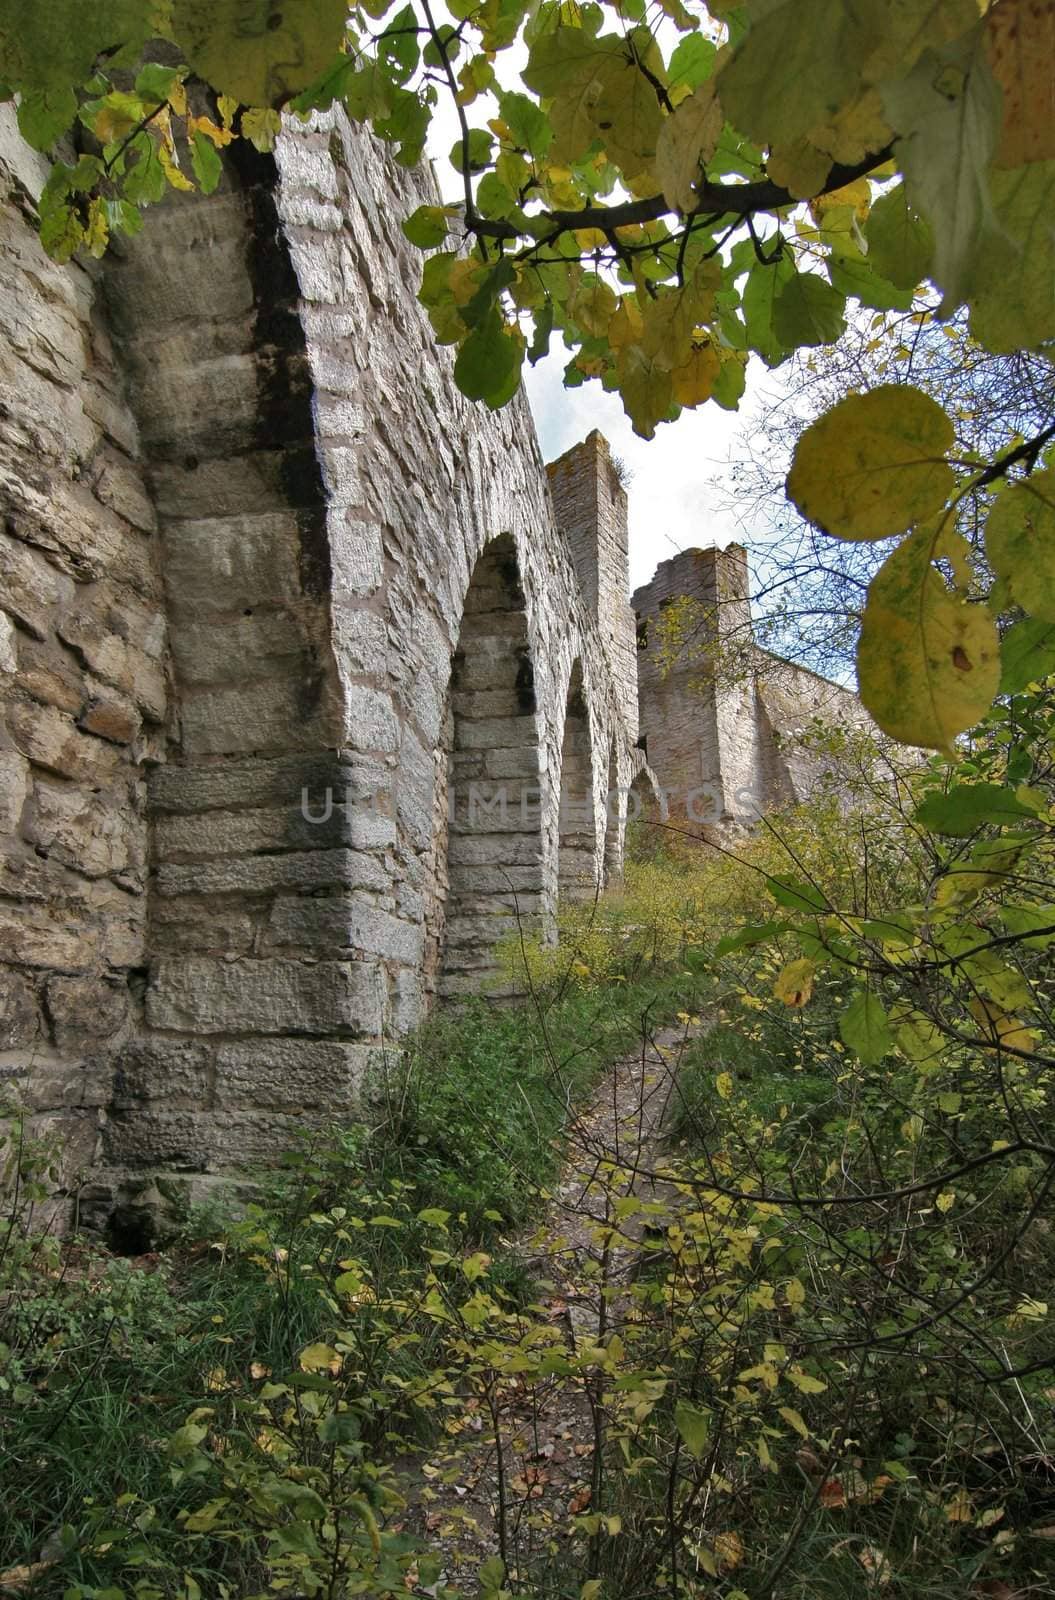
(547, 1440)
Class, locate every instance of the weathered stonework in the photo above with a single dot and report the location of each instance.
(292, 636)
(312, 682)
(721, 720)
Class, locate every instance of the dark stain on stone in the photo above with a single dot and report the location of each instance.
(285, 420)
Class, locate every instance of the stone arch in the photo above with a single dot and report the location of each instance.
(494, 852)
(577, 834)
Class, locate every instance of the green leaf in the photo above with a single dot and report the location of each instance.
(865, 1028)
(475, 153)
(796, 894)
(808, 311)
(1011, 291)
(489, 362)
(731, 381)
(205, 163)
(1020, 543)
(747, 938)
(928, 662)
(260, 55)
(1027, 654)
(764, 283)
(45, 115)
(691, 61)
(155, 83)
(528, 124)
(874, 464)
(800, 59)
(900, 242)
(427, 227)
(946, 112)
(967, 806)
(52, 44)
(646, 387)
(694, 1425)
(853, 276)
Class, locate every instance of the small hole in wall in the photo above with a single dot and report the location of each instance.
(248, 612)
(191, 463)
(131, 1231)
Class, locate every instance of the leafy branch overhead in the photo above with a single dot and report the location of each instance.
(668, 192)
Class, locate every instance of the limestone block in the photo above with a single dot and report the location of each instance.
(14, 787)
(120, 487)
(236, 649)
(199, 994)
(134, 1137)
(257, 828)
(494, 849)
(188, 924)
(370, 722)
(89, 630)
(361, 640)
(20, 1022)
(85, 1011)
(417, 789)
(30, 587)
(356, 553)
(294, 1072)
(112, 717)
(313, 869)
(271, 714)
(265, 781)
(172, 1070)
(495, 733)
(343, 923)
(83, 830)
(224, 564)
(51, 739)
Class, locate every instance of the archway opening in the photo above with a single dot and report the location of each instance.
(577, 858)
(494, 852)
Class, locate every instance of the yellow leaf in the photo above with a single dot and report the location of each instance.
(857, 196)
(874, 464)
(946, 1200)
(593, 305)
(205, 125)
(261, 128)
(626, 325)
(176, 178)
(728, 1550)
(694, 381)
(794, 1418)
(1020, 542)
(795, 983)
(319, 1358)
(959, 1508)
(1020, 41)
(799, 167)
(928, 661)
(804, 1382)
(687, 141)
(794, 1294)
(724, 1084)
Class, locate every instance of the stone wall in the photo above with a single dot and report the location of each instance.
(83, 679)
(373, 620)
(721, 720)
